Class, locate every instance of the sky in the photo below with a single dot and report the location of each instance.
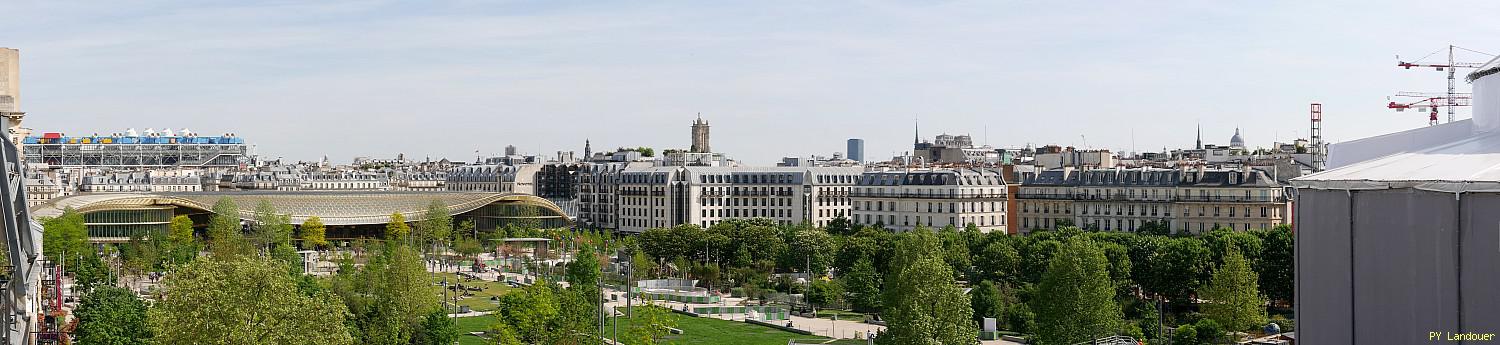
(306, 79)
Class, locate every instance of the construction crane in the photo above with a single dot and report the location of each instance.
(1451, 99)
(1430, 102)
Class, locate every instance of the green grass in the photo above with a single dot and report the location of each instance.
(704, 330)
(472, 324)
(696, 330)
(480, 301)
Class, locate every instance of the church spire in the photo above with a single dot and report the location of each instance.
(916, 132)
(1200, 135)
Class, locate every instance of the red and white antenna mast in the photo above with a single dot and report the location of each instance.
(1319, 158)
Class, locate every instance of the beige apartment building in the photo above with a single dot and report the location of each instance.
(1183, 200)
(902, 200)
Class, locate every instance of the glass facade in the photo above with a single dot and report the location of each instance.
(128, 223)
(494, 216)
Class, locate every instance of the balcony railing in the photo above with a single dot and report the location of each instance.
(928, 195)
(1169, 198)
(745, 193)
(1210, 198)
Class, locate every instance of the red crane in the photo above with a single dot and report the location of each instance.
(1452, 98)
(1430, 102)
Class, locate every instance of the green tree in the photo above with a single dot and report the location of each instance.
(863, 284)
(138, 255)
(807, 248)
(580, 302)
(1035, 258)
(1185, 335)
(866, 243)
(1076, 297)
(987, 301)
(956, 251)
(270, 228)
(1177, 268)
(826, 293)
(436, 329)
(923, 305)
(437, 224)
(1276, 267)
(314, 233)
(224, 230)
(65, 234)
(529, 313)
(583, 273)
(840, 227)
(112, 315)
(648, 325)
(89, 271)
(273, 231)
(397, 229)
(389, 296)
(1233, 297)
(502, 333)
(999, 261)
(1209, 331)
(646, 151)
(1020, 318)
(182, 245)
(243, 300)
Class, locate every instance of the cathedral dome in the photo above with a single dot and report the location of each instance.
(1236, 141)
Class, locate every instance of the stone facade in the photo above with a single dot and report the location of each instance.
(1182, 200)
(936, 198)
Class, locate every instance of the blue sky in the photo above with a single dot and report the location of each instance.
(304, 79)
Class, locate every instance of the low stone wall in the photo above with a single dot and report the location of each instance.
(779, 326)
(766, 312)
(679, 298)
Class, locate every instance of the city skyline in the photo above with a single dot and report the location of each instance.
(445, 80)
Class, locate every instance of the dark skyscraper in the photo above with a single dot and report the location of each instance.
(856, 150)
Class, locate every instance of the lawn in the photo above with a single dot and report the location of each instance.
(704, 330)
(472, 324)
(696, 330)
(480, 301)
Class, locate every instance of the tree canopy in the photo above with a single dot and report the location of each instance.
(244, 300)
(923, 305)
(113, 316)
(1233, 297)
(1076, 296)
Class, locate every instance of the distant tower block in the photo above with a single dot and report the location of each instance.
(856, 150)
(700, 136)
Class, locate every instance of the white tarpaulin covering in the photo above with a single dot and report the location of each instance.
(1355, 151)
(1468, 165)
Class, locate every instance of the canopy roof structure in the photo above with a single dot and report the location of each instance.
(333, 208)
